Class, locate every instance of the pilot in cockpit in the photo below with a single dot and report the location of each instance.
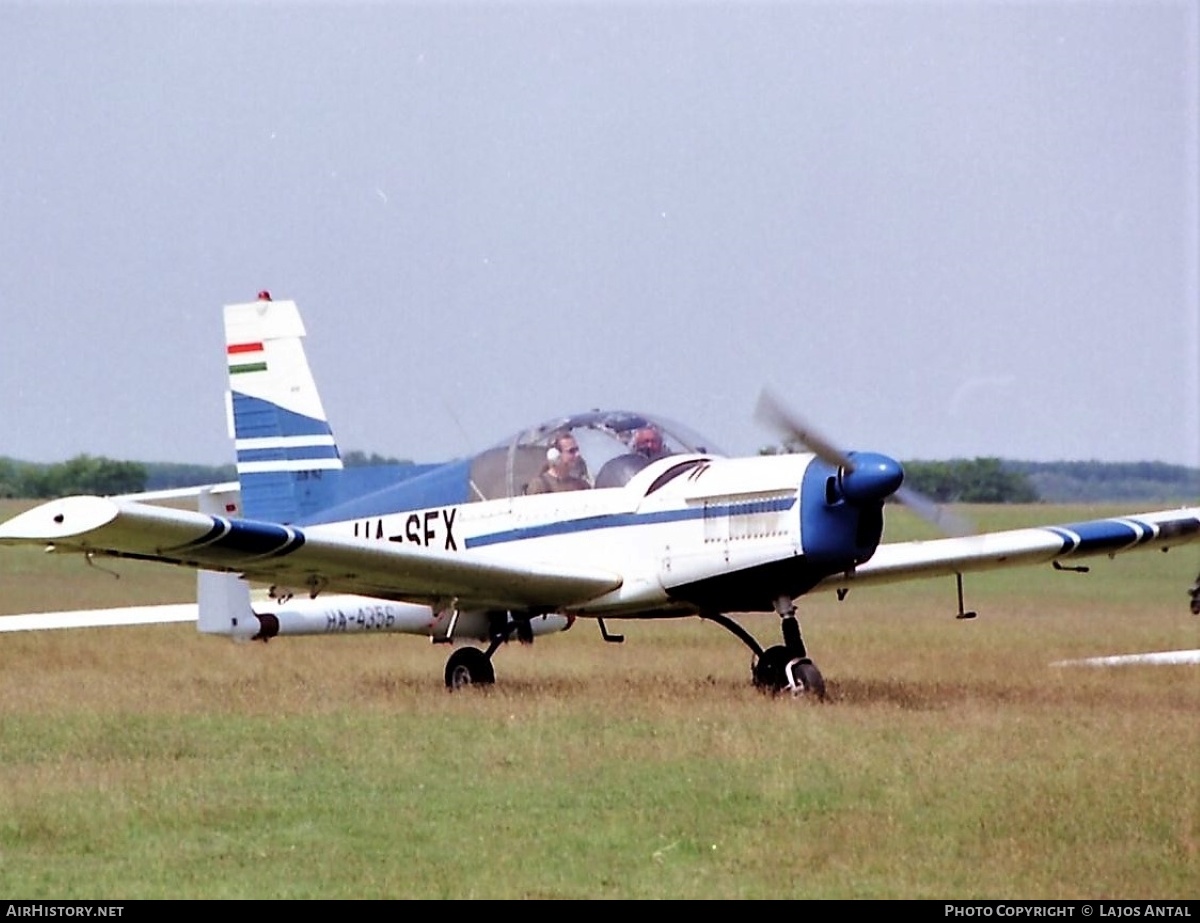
(565, 468)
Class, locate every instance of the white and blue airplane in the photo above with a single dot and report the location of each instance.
(669, 527)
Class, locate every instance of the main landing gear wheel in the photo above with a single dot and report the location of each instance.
(778, 669)
(469, 666)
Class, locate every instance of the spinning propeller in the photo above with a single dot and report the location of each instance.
(863, 477)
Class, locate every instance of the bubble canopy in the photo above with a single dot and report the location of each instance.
(613, 446)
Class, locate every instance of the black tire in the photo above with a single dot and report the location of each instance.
(469, 666)
(770, 673)
(768, 670)
(808, 676)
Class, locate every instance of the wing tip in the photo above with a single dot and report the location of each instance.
(58, 519)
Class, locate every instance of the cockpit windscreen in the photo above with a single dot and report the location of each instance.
(591, 450)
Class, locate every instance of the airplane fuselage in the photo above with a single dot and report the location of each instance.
(677, 523)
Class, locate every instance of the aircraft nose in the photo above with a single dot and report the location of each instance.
(871, 479)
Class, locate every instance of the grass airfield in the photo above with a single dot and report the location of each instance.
(951, 759)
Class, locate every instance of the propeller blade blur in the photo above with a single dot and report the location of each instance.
(770, 412)
(946, 521)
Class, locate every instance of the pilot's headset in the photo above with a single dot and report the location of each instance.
(553, 454)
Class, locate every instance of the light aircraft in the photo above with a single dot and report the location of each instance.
(669, 527)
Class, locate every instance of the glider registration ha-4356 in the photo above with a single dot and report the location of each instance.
(604, 515)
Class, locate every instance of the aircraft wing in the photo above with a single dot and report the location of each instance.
(100, 618)
(1036, 545)
(300, 558)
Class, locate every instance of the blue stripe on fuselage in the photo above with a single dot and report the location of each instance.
(423, 487)
(621, 520)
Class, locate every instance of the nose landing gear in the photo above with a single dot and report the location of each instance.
(783, 667)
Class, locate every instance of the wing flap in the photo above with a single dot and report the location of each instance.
(300, 558)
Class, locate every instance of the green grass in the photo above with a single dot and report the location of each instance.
(950, 761)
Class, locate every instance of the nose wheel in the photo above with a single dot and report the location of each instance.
(787, 666)
(784, 667)
(778, 669)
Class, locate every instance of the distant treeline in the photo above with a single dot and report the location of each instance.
(84, 474)
(1092, 481)
(992, 480)
(88, 474)
(978, 480)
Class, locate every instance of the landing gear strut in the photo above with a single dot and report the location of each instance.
(784, 666)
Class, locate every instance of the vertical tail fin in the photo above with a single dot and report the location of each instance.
(288, 462)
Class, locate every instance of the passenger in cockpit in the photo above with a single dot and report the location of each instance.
(645, 445)
(565, 468)
(648, 443)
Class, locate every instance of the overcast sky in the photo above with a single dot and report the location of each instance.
(937, 229)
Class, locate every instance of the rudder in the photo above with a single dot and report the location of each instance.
(288, 461)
